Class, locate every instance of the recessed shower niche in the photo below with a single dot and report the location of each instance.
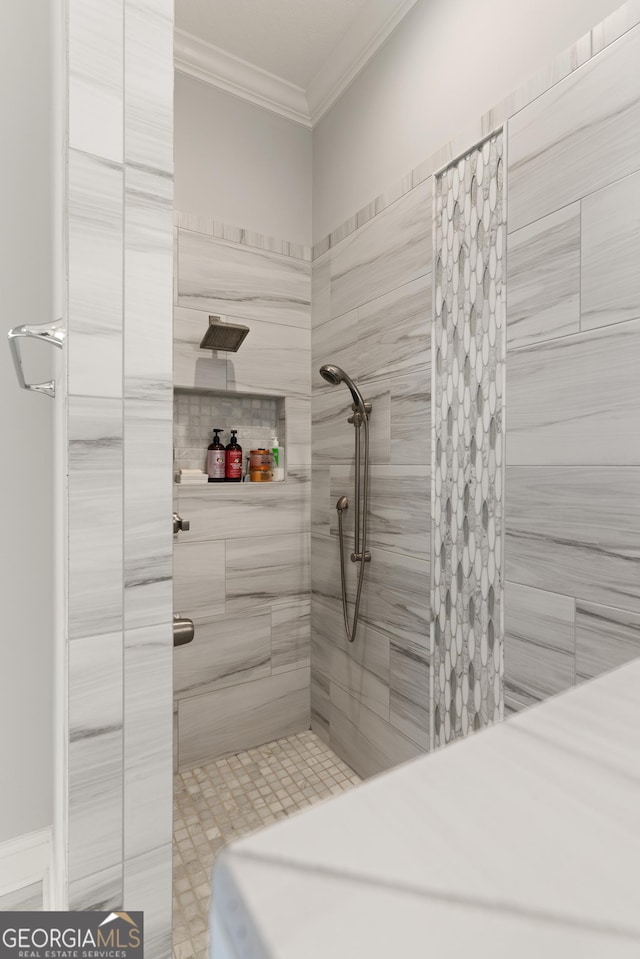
(196, 413)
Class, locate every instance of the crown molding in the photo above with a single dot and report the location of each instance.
(204, 61)
(357, 47)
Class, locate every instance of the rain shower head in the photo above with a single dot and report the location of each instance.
(334, 375)
(223, 336)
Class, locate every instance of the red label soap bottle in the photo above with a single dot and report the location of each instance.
(233, 452)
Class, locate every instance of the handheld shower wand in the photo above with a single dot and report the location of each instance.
(361, 412)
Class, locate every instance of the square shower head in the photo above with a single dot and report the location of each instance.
(223, 336)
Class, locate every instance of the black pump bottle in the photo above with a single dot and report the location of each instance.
(216, 458)
(233, 471)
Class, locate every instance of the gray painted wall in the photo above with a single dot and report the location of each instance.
(448, 62)
(240, 164)
(26, 422)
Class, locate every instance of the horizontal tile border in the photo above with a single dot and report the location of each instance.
(237, 234)
(582, 51)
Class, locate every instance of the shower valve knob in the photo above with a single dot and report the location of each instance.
(180, 524)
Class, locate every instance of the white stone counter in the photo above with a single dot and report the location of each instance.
(520, 841)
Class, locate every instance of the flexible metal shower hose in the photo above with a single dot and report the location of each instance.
(351, 629)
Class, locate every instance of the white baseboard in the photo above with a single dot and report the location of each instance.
(27, 860)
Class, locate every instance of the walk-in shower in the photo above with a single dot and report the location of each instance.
(360, 418)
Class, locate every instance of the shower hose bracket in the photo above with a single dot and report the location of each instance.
(357, 557)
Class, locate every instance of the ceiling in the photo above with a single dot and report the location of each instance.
(294, 57)
(290, 38)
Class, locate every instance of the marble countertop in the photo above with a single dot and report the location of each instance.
(522, 840)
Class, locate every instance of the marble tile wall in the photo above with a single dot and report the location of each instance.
(572, 598)
(242, 572)
(117, 791)
(371, 315)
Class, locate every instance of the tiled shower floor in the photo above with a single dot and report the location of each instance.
(232, 797)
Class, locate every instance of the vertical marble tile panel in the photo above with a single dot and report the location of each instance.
(193, 367)
(574, 530)
(605, 638)
(298, 431)
(320, 500)
(94, 515)
(228, 720)
(399, 507)
(147, 887)
(321, 290)
(543, 278)
(332, 437)
(148, 252)
(577, 137)
(576, 400)
(364, 740)
(539, 644)
(199, 578)
(610, 285)
(175, 737)
(395, 597)
(332, 434)
(95, 757)
(335, 341)
(363, 686)
(387, 252)
(95, 251)
(148, 539)
(325, 572)
(225, 278)
(274, 359)
(370, 650)
(394, 332)
(411, 419)
(101, 891)
(267, 570)
(148, 732)
(96, 77)
(409, 707)
(226, 650)
(320, 705)
(290, 636)
(148, 95)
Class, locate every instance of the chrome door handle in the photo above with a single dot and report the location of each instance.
(53, 333)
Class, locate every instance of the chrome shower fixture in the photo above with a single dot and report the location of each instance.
(361, 412)
(223, 336)
(335, 375)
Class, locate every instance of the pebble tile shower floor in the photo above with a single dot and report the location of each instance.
(232, 797)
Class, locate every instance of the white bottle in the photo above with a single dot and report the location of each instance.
(277, 460)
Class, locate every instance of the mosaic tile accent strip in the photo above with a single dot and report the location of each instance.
(233, 797)
(468, 460)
